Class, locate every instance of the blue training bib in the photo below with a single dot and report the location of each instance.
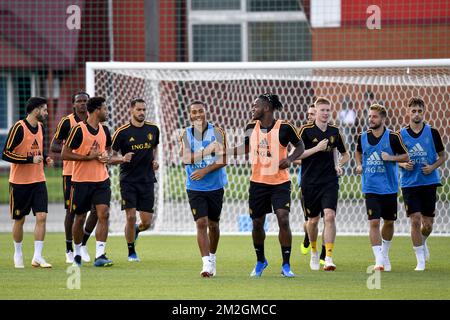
(421, 151)
(379, 177)
(212, 181)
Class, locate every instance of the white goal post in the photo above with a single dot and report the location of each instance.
(228, 90)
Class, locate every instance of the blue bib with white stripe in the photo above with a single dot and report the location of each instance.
(421, 151)
(212, 181)
(378, 176)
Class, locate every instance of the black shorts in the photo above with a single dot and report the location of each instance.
(67, 185)
(26, 197)
(316, 198)
(139, 196)
(266, 198)
(86, 194)
(302, 202)
(420, 199)
(381, 206)
(206, 204)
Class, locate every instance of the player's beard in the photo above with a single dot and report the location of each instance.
(375, 126)
(40, 117)
(256, 116)
(102, 117)
(139, 119)
(81, 109)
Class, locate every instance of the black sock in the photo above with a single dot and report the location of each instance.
(85, 238)
(131, 249)
(286, 252)
(323, 253)
(69, 246)
(306, 240)
(259, 250)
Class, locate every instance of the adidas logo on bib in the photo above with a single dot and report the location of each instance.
(374, 159)
(417, 151)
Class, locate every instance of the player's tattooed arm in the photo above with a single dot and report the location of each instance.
(113, 157)
(155, 156)
(340, 161)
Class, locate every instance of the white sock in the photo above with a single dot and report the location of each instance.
(99, 248)
(38, 245)
(377, 252)
(385, 245)
(420, 256)
(212, 257)
(77, 249)
(17, 248)
(205, 260)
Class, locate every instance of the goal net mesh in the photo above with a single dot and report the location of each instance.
(228, 95)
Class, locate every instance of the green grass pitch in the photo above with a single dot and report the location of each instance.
(171, 264)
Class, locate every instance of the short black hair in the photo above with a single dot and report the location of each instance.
(136, 100)
(273, 100)
(95, 103)
(35, 102)
(74, 96)
(195, 102)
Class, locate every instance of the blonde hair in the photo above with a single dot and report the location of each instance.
(379, 108)
(322, 100)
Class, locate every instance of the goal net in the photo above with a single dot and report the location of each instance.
(228, 90)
